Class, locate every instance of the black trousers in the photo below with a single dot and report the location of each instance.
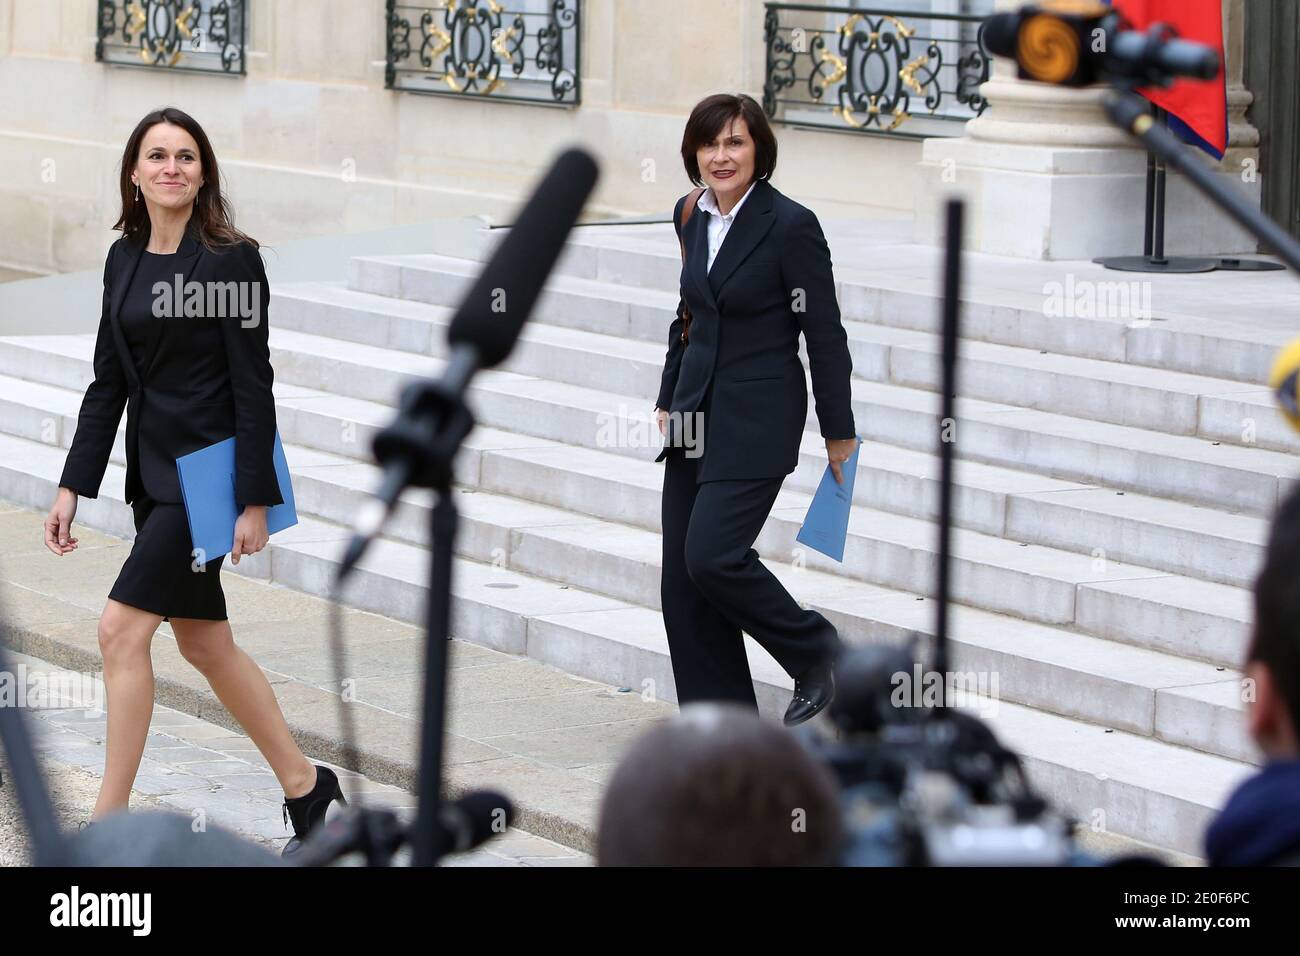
(713, 587)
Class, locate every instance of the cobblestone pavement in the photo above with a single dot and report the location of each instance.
(191, 766)
(524, 728)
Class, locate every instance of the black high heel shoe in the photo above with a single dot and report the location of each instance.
(308, 811)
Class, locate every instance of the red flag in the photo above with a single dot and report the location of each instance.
(1200, 105)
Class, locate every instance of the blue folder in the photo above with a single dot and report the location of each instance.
(207, 478)
(826, 525)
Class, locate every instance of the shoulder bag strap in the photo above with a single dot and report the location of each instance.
(687, 211)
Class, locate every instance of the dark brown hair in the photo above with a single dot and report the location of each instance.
(714, 112)
(211, 221)
(720, 786)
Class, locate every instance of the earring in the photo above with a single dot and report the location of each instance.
(137, 192)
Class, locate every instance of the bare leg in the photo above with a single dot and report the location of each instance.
(125, 634)
(244, 690)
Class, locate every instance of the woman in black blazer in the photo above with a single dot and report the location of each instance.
(732, 405)
(182, 345)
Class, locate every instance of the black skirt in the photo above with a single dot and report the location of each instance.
(160, 574)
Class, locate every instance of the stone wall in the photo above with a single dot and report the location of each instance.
(311, 143)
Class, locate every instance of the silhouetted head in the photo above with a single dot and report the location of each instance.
(719, 786)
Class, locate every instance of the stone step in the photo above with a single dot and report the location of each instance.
(647, 257)
(1122, 394)
(48, 414)
(1188, 469)
(1211, 627)
(1040, 665)
(1224, 477)
(623, 563)
(1182, 466)
(1141, 786)
(1131, 528)
(1157, 534)
(547, 351)
(623, 311)
(1135, 785)
(1216, 475)
(1173, 342)
(1212, 474)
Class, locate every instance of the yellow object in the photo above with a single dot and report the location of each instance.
(1048, 48)
(1285, 382)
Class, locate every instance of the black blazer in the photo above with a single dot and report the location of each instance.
(770, 281)
(206, 379)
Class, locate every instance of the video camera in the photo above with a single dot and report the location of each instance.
(929, 785)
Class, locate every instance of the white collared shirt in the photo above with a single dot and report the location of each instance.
(719, 225)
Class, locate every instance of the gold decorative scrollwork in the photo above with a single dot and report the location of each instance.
(873, 109)
(846, 114)
(469, 47)
(901, 28)
(472, 74)
(907, 74)
(839, 70)
(500, 40)
(183, 21)
(883, 64)
(165, 33)
(442, 36)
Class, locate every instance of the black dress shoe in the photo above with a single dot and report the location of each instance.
(308, 811)
(812, 692)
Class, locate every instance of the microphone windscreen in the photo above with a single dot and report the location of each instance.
(476, 817)
(1194, 60)
(491, 316)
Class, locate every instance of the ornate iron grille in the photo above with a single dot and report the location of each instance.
(873, 71)
(203, 36)
(481, 49)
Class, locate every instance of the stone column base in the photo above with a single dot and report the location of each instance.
(1062, 202)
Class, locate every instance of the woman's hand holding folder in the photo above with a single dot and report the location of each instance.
(250, 532)
(838, 451)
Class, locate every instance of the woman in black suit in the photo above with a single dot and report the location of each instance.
(732, 405)
(191, 370)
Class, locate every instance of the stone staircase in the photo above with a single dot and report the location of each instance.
(1111, 505)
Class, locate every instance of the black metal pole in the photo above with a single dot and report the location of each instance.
(442, 529)
(947, 434)
(1158, 248)
(1153, 258)
(1148, 233)
(1127, 112)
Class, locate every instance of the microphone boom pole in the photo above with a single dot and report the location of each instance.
(419, 446)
